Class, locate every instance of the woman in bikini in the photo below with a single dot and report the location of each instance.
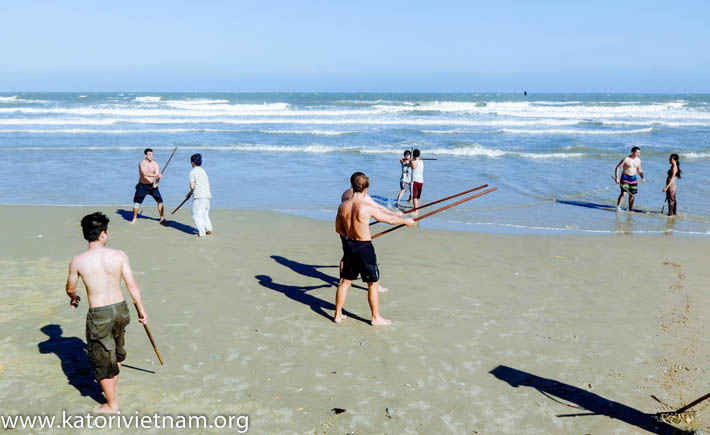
(670, 189)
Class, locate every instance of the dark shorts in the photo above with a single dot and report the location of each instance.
(359, 259)
(417, 190)
(146, 189)
(105, 327)
(405, 185)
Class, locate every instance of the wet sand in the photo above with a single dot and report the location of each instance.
(492, 333)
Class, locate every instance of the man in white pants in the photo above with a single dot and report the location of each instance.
(200, 189)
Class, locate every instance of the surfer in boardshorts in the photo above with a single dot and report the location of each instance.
(631, 165)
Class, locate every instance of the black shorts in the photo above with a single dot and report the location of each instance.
(146, 189)
(359, 259)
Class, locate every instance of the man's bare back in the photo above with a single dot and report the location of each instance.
(101, 269)
(354, 217)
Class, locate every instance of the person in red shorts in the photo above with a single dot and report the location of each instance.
(417, 165)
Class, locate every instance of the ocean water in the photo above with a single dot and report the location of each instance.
(551, 156)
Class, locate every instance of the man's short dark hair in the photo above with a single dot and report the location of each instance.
(359, 182)
(416, 153)
(147, 150)
(92, 225)
(406, 153)
(196, 159)
(635, 149)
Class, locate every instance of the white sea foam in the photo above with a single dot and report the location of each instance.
(573, 131)
(56, 121)
(636, 114)
(148, 99)
(430, 122)
(117, 131)
(313, 132)
(476, 150)
(11, 99)
(657, 123)
(696, 156)
(220, 107)
(171, 131)
(673, 110)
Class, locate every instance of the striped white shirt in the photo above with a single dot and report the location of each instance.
(202, 183)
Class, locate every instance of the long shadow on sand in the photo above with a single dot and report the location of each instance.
(311, 270)
(300, 294)
(187, 229)
(584, 399)
(71, 351)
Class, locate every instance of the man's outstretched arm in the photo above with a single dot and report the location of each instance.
(391, 219)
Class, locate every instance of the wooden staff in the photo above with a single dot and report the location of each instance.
(693, 403)
(446, 199)
(426, 159)
(150, 336)
(437, 211)
(157, 180)
(183, 202)
(440, 200)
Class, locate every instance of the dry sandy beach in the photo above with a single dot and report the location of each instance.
(492, 333)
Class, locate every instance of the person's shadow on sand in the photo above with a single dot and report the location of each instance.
(584, 399)
(300, 294)
(187, 229)
(310, 270)
(71, 351)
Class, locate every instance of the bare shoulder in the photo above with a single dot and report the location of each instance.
(76, 261)
(116, 254)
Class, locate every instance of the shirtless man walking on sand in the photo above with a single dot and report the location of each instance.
(353, 222)
(101, 269)
(148, 176)
(631, 165)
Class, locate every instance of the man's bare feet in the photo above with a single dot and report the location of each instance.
(163, 221)
(380, 321)
(105, 409)
(340, 318)
(134, 221)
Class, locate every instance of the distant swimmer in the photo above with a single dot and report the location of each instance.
(148, 175)
(670, 188)
(405, 180)
(631, 165)
(525, 93)
(353, 223)
(101, 269)
(417, 166)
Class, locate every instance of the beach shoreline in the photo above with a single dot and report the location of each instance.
(493, 333)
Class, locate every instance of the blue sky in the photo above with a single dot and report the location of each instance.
(398, 46)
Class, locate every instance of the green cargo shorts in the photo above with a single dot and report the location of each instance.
(105, 327)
